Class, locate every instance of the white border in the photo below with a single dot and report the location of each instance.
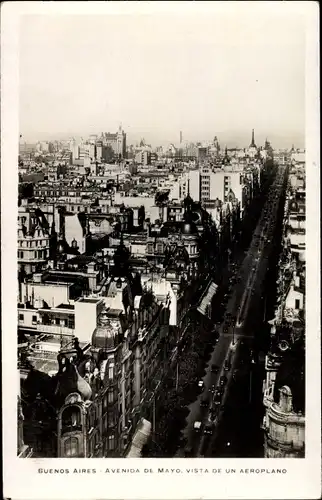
(21, 480)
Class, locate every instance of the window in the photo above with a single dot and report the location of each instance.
(71, 322)
(71, 447)
(111, 442)
(111, 371)
(297, 304)
(57, 321)
(21, 317)
(111, 421)
(34, 320)
(110, 396)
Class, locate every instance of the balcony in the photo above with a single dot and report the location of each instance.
(55, 329)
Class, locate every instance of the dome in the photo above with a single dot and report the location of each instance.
(188, 201)
(121, 259)
(62, 246)
(189, 228)
(104, 335)
(74, 244)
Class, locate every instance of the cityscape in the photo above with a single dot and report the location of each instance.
(161, 291)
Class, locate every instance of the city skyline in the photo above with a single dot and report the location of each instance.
(90, 74)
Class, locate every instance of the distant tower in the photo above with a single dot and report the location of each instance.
(253, 145)
(180, 136)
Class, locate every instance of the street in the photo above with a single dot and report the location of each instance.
(245, 295)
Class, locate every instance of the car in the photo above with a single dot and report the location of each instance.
(217, 399)
(225, 328)
(204, 402)
(214, 368)
(208, 429)
(197, 426)
(219, 391)
(213, 388)
(223, 380)
(227, 366)
(201, 384)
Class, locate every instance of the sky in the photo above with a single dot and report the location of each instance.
(211, 73)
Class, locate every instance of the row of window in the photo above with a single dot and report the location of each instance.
(38, 254)
(32, 243)
(42, 192)
(34, 319)
(69, 323)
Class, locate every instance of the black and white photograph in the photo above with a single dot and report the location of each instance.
(162, 236)
(161, 307)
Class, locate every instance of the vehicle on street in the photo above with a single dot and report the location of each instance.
(214, 368)
(213, 388)
(220, 390)
(204, 402)
(197, 426)
(217, 398)
(208, 429)
(223, 380)
(226, 366)
(201, 385)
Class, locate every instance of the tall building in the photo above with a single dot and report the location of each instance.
(223, 184)
(284, 385)
(252, 150)
(33, 240)
(116, 141)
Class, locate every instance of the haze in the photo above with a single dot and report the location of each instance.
(204, 74)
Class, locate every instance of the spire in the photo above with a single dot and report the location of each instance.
(253, 145)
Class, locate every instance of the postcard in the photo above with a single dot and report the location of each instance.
(160, 250)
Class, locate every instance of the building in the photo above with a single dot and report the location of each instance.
(284, 385)
(252, 150)
(226, 184)
(143, 157)
(101, 382)
(117, 142)
(33, 240)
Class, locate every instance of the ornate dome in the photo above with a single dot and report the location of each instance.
(189, 228)
(104, 335)
(188, 202)
(74, 244)
(62, 246)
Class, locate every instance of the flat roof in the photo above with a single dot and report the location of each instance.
(65, 306)
(89, 300)
(114, 312)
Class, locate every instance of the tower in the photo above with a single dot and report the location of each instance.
(252, 144)
(180, 136)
